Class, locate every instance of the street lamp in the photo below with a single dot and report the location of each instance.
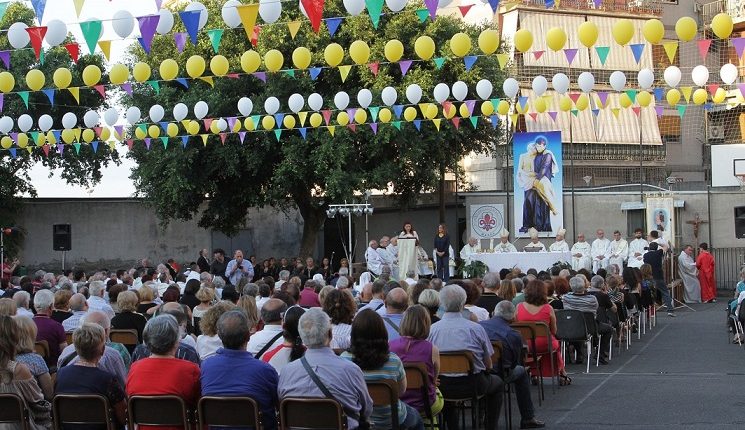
(348, 210)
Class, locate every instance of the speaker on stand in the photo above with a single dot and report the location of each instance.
(62, 239)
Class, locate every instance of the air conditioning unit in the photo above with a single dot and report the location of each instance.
(715, 132)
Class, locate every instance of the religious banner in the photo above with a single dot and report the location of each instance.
(538, 183)
(661, 217)
(487, 221)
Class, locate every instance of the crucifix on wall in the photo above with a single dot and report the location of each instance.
(696, 223)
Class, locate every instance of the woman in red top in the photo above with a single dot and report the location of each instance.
(537, 308)
(162, 373)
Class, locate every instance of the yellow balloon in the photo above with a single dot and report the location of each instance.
(22, 140)
(195, 66)
(6, 142)
(699, 96)
(583, 102)
(489, 41)
(449, 111)
(91, 75)
(719, 95)
(40, 139)
(624, 100)
(673, 97)
(105, 134)
(141, 71)
(385, 115)
(393, 50)
(565, 104)
(168, 69)
(172, 130)
(250, 61)
(249, 124)
(192, 127)
(342, 118)
(653, 31)
(289, 122)
(360, 117)
(214, 129)
(68, 136)
(119, 73)
(140, 133)
(273, 60)
(153, 131)
(487, 108)
(35, 79)
(431, 111)
(50, 138)
(722, 25)
(316, 119)
(88, 135)
(503, 107)
(237, 127)
(587, 33)
(523, 40)
(463, 111)
(644, 98)
(219, 65)
(556, 38)
(540, 105)
(301, 57)
(359, 51)
(460, 44)
(623, 31)
(7, 82)
(686, 28)
(424, 47)
(410, 114)
(268, 122)
(62, 78)
(333, 54)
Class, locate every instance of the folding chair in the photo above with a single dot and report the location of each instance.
(229, 412)
(738, 330)
(158, 411)
(528, 333)
(592, 330)
(79, 409)
(311, 413)
(418, 379)
(570, 327)
(461, 362)
(13, 410)
(605, 316)
(41, 347)
(384, 392)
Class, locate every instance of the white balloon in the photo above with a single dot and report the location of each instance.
(672, 76)
(617, 80)
(586, 81)
(18, 36)
(413, 93)
(180, 111)
(203, 15)
(444, 3)
(25, 122)
(540, 85)
(645, 77)
(341, 100)
(441, 92)
(133, 115)
(296, 102)
(90, 119)
(728, 73)
(69, 120)
(165, 22)
(271, 105)
(156, 113)
(6, 124)
(222, 124)
(484, 88)
(700, 75)
(56, 32)
(364, 98)
(396, 5)
(460, 90)
(45, 123)
(201, 109)
(111, 116)
(560, 82)
(315, 101)
(389, 96)
(245, 106)
(510, 87)
(354, 7)
(270, 10)
(123, 23)
(230, 13)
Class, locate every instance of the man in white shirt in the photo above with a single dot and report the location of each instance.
(534, 242)
(619, 250)
(560, 245)
(654, 236)
(472, 247)
(96, 302)
(637, 249)
(504, 244)
(374, 262)
(599, 251)
(271, 336)
(581, 251)
(284, 276)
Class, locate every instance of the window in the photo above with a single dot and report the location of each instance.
(634, 219)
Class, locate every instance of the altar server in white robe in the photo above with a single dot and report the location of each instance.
(472, 247)
(581, 250)
(504, 244)
(534, 242)
(637, 249)
(374, 262)
(600, 251)
(689, 274)
(560, 245)
(387, 256)
(619, 250)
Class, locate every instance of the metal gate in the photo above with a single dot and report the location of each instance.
(728, 263)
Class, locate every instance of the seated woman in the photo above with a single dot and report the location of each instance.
(369, 351)
(208, 342)
(84, 376)
(339, 305)
(147, 297)
(413, 347)
(128, 318)
(292, 348)
(536, 308)
(61, 309)
(27, 337)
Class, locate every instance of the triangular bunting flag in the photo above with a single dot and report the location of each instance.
(637, 110)
(456, 122)
(13, 152)
(78, 7)
(190, 18)
(39, 6)
(538, 54)
(439, 61)
(533, 115)
(632, 95)
(331, 129)
(127, 87)
(637, 49)
(215, 36)
(344, 71)
(91, 33)
(204, 137)
(681, 110)
(615, 111)
(223, 136)
(164, 139)
(76, 145)
(404, 65)
(397, 110)
(302, 116)
(208, 79)
(475, 121)
(36, 35)
(326, 115)
(686, 93)
(314, 10)
(255, 120)
(184, 141)
(207, 123)
(570, 53)
(503, 60)
(119, 132)
(5, 57)
(277, 133)
(469, 61)
(513, 119)
(351, 112)
(260, 75)
(147, 143)
(423, 14)
(523, 100)
(155, 85)
(659, 110)
(374, 9)
(437, 122)
(333, 24)
(94, 145)
(242, 136)
(432, 7)
(602, 97)
(703, 47)
(183, 82)
(49, 92)
(671, 48)
(45, 148)
(549, 4)
(75, 91)
(739, 44)
(147, 24)
(130, 143)
(418, 124)
(494, 5)
(397, 124)
(659, 93)
(741, 87)
(596, 112)
(575, 112)
(712, 89)
(602, 52)
(179, 39)
(57, 135)
(463, 11)
(553, 115)
(279, 118)
(470, 105)
(314, 72)
(494, 120)
(24, 97)
(74, 50)
(374, 112)
(352, 126)
(303, 132)
(293, 26)
(374, 127)
(101, 90)
(374, 68)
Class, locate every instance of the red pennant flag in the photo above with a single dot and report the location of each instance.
(538, 54)
(255, 35)
(74, 50)
(446, 105)
(45, 148)
(101, 90)
(703, 47)
(314, 9)
(464, 9)
(36, 34)
(98, 131)
(223, 136)
(533, 115)
(574, 96)
(233, 75)
(326, 115)
(130, 143)
(374, 68)
(352, 127)
(637, 110)
(456, 121)
(712, 89)
(207, 123)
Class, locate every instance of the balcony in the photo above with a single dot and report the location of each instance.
(637, 7)
(734, 8)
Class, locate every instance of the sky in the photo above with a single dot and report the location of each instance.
(115, 179)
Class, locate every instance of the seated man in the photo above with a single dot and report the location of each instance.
(233, 371)
(580, 300)
(498, 329)
(396, 303)
(455, 333)
(271, 335)
(342, 378)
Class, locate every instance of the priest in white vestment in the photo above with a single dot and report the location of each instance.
(560, 245)
(637, 249)
(689, 274)
(472, 247)
(374, 262)
(504, 244)
(581, 258)
(619, 250)
(600, 251)
(534, 242)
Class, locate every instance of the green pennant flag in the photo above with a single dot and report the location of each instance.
(495, 103)
(142, 127)
(423, 14)
(77, 148)
(474, 121)
(155, 85)
(215, 38)
(575, 112)
(278, 133)
(602, 52)
(397, 124)
(439, 61)
(34, 136)
(374, 112)
(681, 110)
(374, 8)
(3, 8)
(290, 72)
(164, 139)
(632, 95)
(24, 96)
(256, 120)
(91, 33)
(41, 56)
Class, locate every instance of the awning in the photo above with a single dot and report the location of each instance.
(631, 206)
(539, 24)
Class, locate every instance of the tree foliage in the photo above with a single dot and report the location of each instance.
(219, 183)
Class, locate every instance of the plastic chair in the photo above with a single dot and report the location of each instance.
(384, 392)
(528, 333)
(13, 410)
(80, 409)
(311, 413)
(158, 411)
(418, 379)
(229, 412)
(605, 316)
(459, 362)
(592, 330)
(571, 327)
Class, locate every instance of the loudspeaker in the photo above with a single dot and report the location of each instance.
(740, 222)
(61, 237)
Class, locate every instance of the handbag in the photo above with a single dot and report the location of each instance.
(363, 424)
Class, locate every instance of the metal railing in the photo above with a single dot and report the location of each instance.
(734, 8)
(595, 152)
(728, 263)
(639, 7)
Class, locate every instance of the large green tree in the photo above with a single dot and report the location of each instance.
(219, 183)
(83, 168)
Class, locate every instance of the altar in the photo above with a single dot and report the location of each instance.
(522, 260)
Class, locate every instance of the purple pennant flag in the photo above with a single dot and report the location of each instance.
(190, 19)
(231, 122)
(119, 130)
(739, 44)
(127, 87)
(261, 76)
(659, 109)
(303, 132)
(14, 136)
(333, 24)
(603, 96)
(598, 3)
(570, 53)
(432, 7)
(60, 148)
(314, 72)
(2, 100)
(374, 127)
(148, 24)
(147, 143)
(5, 56)
(740, 87)
(158, 4)
(553, 114)
(470, 104)
(242, 135)
(351, 112)
(494, 5)
(180, 39)
(404, 65)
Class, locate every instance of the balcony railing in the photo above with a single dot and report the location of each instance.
(638, 7)
(735, 9)
(600, 154)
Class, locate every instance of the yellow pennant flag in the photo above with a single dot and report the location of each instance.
(331, 129)
(248, 13)
(78, 6)
(185, 123)
(344, 72)
(615, 111)
(75, 91)
(105, 46)
(513, 119)
(503, 60)
(78, 132)
(302, 116)
(436, 122)
(209, 79)
(112, 145)
(686, 93)
(423, 108)
(30, 149)
(204, 138)
(670, 49)
(293, 26)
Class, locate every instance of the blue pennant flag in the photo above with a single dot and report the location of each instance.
(303, 132)
(398, 109)
(314, 72)
(183, 82)
(164, 126)
(279, 117)
(659, 93)
(94, 145)
(50, 95)
(12, 152)
(494, 121)
(57, 134)
(637, 49)
(333, 24)
(469, 61)
(418, 124)
(184, 141)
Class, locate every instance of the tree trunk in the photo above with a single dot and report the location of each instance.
(442, 193)
(313, 221)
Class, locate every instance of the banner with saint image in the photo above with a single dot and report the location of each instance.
(661, 217)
